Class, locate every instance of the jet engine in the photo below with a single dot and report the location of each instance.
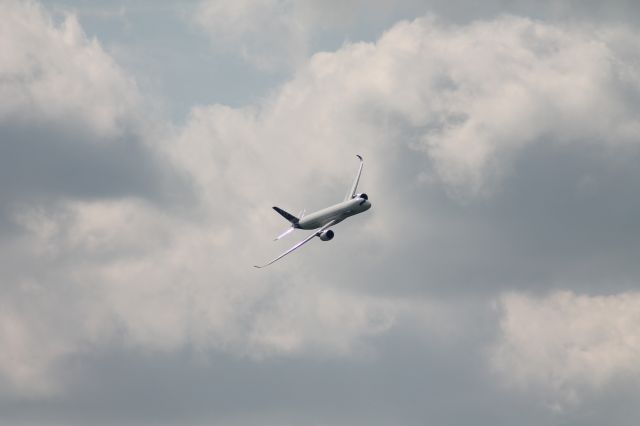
(362, 195)
(326, 235)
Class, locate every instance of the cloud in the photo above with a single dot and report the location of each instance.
(509, 143)
(277, 35)
(501, 140)
(71, 127)
(473, 135)
(154, 282)
(440, 84)
(268, 33)
(280, 35)
(72, 122)
(565, 345)
(54, 73)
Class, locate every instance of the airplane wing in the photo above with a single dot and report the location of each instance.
(306, 240)
(354, 187)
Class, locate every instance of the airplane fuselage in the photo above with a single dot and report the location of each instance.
(337, 212)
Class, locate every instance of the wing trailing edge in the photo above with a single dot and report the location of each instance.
(298, 245)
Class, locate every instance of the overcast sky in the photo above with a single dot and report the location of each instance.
(495, 281)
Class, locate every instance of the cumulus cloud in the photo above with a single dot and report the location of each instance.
(428, 105)
(434, 108)
(439, 86)
(268, 33)
(282, 34)
(566, 345)
(72, 122)
(157, 283)
(411, 93)
(54, 72)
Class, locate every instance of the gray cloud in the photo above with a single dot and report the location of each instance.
(268, 33)
(499, 158)
(565, 345)
(71, 121)
(279, 33)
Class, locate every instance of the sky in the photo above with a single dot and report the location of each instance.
(495, 281)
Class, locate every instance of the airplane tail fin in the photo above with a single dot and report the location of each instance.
(291, 218)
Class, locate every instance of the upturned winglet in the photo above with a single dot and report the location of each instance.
(354, 187)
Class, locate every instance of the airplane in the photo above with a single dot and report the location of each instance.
(324, 219)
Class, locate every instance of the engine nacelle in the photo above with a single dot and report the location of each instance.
(326, 235)
(362, 195)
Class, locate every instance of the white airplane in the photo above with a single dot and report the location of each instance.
(325, 218)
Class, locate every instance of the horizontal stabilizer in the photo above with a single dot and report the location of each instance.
(291, 218)
(284, 234)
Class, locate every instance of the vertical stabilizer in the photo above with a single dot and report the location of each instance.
(291, 218)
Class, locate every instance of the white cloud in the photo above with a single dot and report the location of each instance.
(268, 33)
(279, 34)
(470, 97)
(566, 345)
(54, 73)
(464, 98)
(125, 272)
